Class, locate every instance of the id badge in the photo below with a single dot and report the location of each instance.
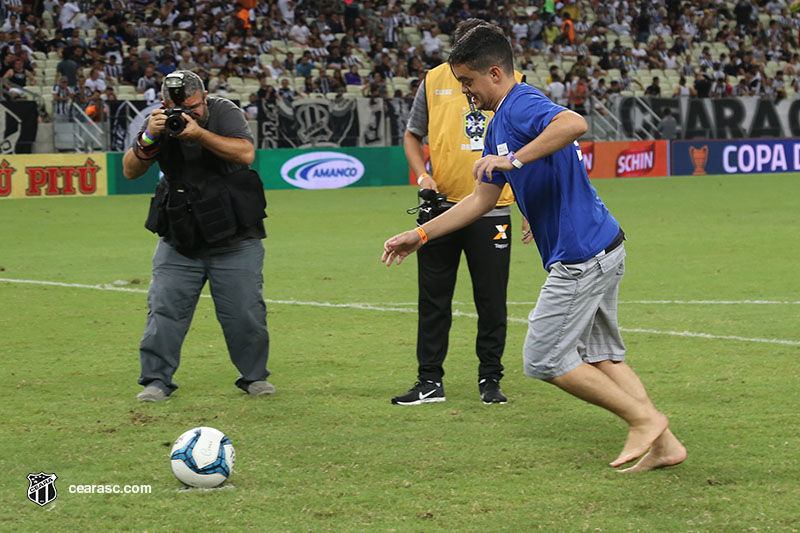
(476, 144)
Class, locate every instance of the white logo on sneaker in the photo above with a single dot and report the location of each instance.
(423, 396)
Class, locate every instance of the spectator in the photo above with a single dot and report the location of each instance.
(251, 108)
(97, 110)
(62, 97)
(654, 89)
(682, 90)
(166, 66)
(390, 24)
(319, 54)
(68, 67)
(536, 31)
(113, 70)
(376, 87)
(779, 85)
(275, 70)
(324, 82)
(579, 94)
(286, 92)
(299, 33)
(430, 42)
(310, 86)
(668, 129)
(267, 93)
(352, 77)
(147, 80)
(81, 94)
(186, 61)
(131, 72)
(289, 63)
(95, 83)
(19, 77)
(219, 85)
(702, 85)
(556, 90)
(349, 58)
(626, 82)
(721, 88)
(68, 18)
(305, 66)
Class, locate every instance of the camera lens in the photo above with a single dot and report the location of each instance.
(427, 194)
(174, 124)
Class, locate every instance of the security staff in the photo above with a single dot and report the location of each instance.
(455, 131)
(208, 210)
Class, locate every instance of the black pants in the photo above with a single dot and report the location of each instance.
(487, 246)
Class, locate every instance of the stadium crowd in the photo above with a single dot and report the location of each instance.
(93, 51)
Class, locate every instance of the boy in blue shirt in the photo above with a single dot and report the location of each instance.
(573, 338)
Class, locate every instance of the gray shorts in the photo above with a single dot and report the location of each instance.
(575, 318)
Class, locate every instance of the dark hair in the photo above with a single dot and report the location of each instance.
(464, 26)
(483, 47)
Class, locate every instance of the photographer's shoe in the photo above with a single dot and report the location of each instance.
(151, 393)
(260, 388)
(422, 392)
(490, 391)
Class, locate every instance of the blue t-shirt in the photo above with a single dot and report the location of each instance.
(568, 220)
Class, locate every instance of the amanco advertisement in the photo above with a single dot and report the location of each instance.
(53, 175)
(331, 168)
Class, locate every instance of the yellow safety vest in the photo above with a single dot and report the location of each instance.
(450, 127)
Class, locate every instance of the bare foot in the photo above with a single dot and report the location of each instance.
(666, 451)
(640, 438)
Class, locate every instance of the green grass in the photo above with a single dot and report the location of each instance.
(328, 452)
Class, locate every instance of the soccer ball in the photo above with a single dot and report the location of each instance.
(202, 457)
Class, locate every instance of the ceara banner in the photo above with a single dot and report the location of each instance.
(53, 175)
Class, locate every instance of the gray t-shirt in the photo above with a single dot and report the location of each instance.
(418, 118)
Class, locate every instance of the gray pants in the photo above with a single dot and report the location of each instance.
(235, 278)
(575, 318)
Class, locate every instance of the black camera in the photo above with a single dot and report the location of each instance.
(175, 123)
(430, 205)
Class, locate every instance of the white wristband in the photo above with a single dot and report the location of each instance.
(514, 161)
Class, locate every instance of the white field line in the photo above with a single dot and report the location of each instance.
(659, 302)
(405, 308)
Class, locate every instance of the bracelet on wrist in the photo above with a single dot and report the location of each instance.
(422, 235)
(422, 177)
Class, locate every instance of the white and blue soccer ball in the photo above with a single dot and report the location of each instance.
(202, 457)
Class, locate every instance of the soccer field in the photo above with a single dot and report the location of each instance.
(709, 307)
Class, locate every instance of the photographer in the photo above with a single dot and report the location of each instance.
(208, 210)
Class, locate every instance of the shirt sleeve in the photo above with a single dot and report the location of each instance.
(418, 118)
(231, 121)
(534, 112)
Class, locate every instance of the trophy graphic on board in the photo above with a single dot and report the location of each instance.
(699, 157)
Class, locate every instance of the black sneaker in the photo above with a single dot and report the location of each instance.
(421, 392)
(490, 391)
